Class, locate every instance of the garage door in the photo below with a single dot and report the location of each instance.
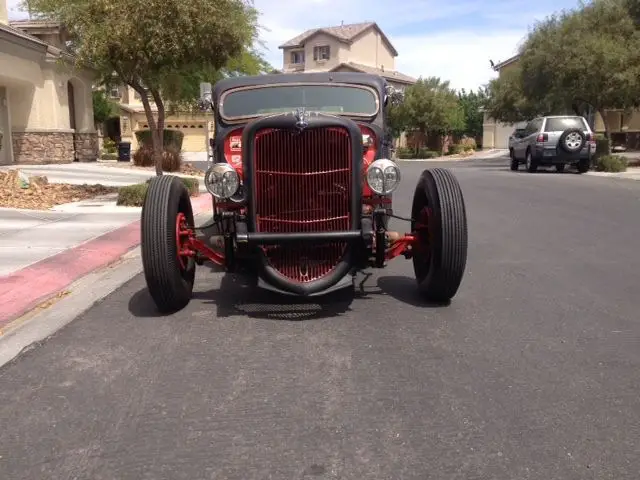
(195, 137)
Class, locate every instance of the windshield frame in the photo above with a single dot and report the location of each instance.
(245, 118)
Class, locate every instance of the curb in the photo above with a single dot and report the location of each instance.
(25, 289)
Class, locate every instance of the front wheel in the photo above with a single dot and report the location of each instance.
(166, 212)
(514, 161)
(439, 220)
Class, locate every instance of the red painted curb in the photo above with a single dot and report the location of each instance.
(23, 290)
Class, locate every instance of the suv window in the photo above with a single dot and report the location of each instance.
(562, 123)
(533, 126)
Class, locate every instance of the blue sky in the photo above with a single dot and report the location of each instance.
(452, 39)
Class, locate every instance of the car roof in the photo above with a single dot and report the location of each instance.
(366, 79)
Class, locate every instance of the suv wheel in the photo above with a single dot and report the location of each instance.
(583, 165)
(514, 161)
(532, 164)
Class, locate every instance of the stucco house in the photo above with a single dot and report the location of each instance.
(358, 47)
(197, 128)
(46, 110)
(624, 128)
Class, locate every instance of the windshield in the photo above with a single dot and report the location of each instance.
(562, 123)
(336, 99)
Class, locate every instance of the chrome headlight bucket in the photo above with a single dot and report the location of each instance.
(383, 176)
(222, 181)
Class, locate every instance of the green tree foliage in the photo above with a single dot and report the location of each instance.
(472, 104)
(430, 107)
(586, 56)
(505, 100)
(103, 107)
(151, 43)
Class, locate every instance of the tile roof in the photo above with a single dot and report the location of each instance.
(21, 34)
(504, 63)
(388, 74)
(344, 33)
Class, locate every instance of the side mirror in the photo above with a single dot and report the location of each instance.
(206, 97)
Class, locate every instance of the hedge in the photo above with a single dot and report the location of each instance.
(133, 195)
(171, 138)
(610, 163)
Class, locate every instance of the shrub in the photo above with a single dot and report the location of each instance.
(109, 156)
(133, 195)
(408, 153)
(170, 138)
(468, 143)
(109, 146)
(404, 152)
(143, 156)
(171, 158)
(602, 145)
(425, 153)
(611, 163)
(455, 149)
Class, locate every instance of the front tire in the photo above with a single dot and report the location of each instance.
(440, 222)
(169, 277)
(514, 161)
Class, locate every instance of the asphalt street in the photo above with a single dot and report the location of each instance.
(530, 373)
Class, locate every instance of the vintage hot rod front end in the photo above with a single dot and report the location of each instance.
(302, 196)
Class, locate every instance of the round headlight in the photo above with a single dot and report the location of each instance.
(222, 180)
(383, 176)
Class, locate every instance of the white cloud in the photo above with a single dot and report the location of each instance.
(461, 57)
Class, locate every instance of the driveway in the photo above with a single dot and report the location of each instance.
(530, 373)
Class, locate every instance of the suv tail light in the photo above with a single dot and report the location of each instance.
(591, 138)
(543, 137)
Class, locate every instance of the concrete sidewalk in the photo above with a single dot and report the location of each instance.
(111, 175)
(28, 236)
(632, 173)
(43, 252)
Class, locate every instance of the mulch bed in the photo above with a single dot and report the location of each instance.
(42, 195)
(186, 168)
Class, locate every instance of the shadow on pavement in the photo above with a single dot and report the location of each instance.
(405, 290)
(239, 295)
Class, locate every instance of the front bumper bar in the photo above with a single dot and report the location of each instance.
(254, 238)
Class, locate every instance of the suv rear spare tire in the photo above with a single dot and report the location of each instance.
(572, 140)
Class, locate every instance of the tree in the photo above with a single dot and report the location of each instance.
(151, 43)
(431, 107)
(103, 107)
(588, 56)
(472, 103)
(505, 100)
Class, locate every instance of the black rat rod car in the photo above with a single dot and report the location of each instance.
(302, 188)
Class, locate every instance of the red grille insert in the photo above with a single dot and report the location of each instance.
(303, 184)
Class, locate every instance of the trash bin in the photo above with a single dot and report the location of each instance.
(124, 151)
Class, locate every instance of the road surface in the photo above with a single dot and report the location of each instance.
(530, 373)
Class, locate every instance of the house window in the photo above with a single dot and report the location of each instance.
(114, 91)
(321, 52)
(297, 58)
